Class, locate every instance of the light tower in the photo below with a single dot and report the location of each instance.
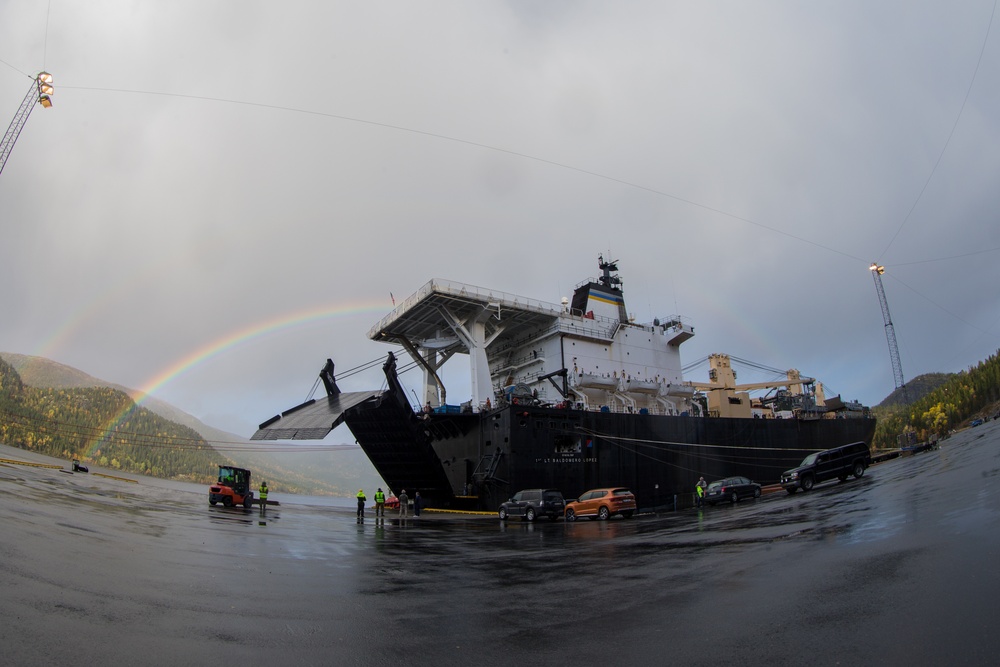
(40, 92)
(890, 333)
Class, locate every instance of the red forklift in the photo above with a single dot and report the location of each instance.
(233, 488)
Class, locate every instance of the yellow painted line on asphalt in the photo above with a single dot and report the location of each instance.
(29, 463)
(120, 479)
(443, 511)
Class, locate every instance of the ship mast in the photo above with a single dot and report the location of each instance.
(606, 279)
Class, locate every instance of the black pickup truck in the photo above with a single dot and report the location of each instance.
(839, 463)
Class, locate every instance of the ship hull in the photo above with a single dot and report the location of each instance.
(479, 460)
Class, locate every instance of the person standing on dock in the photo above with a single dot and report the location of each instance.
(699, 491)
(403, 501)
(416, 503)
(379, 503)
(262, 493)
(361, 505)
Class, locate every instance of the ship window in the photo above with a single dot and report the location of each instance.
(564, 444)
(735, 400)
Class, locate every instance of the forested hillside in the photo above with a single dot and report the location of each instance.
(70, 392)
(960, 398)
(74, 423)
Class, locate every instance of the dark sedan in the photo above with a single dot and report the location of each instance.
(731, 489)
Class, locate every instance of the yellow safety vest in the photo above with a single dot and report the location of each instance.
(379, 497)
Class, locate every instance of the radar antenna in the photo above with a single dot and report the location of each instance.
(607, 279)
(890, 332)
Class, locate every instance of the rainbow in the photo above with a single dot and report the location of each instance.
(110, 298)
(224, 344)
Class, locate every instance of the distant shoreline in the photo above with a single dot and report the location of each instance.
(16, 453)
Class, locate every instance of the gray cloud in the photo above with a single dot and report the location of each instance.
(744, 162)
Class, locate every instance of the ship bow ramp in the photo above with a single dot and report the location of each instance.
(396, 440)
(312, 420)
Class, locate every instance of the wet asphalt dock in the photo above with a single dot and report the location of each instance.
(898, 567)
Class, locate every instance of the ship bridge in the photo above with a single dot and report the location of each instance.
(444, 318)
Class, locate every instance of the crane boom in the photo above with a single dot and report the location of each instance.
(890, 332)
(41, 88)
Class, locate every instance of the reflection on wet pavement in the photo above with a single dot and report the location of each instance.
(130, 566)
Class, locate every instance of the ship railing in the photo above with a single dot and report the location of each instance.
(516, 364)
(603, 326)
(587, 403)
(505, 299)
(602, 330)
(674, 323)
(403, 306)
(521, 342)
(490, 295)
(585, 327)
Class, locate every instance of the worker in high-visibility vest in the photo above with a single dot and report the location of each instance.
(379, 502)
(699, 490)
(262, 492)
(361, 504)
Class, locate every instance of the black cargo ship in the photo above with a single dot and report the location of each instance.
(571, 396)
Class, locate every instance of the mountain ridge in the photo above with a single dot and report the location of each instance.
(915, 389)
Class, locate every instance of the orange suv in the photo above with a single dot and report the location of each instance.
(602, 503)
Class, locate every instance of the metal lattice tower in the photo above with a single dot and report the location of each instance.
(890, 332)
(41, 88)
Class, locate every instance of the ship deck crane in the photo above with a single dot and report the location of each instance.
(890, 332)
(728, 399)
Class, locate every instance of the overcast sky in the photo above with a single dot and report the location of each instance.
(225, 193)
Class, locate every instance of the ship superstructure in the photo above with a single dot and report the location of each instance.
(585, 353)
